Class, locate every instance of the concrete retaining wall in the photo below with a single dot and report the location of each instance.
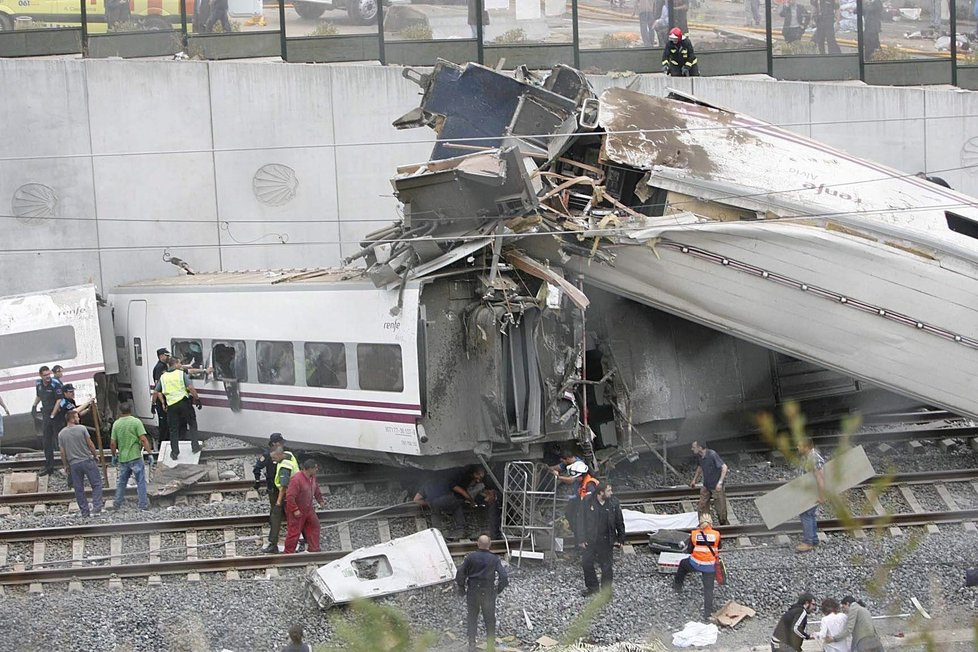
(243, 165)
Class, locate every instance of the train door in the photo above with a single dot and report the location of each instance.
(140, 360)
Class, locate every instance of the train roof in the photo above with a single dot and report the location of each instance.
(256, 277)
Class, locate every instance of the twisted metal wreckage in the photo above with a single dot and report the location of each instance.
(714, 218)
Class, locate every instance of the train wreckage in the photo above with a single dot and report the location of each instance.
(638, 268)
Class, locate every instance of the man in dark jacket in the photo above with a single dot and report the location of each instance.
(602, 529)
(825, 11)
(678, 58)
(790, 632)
(476, 580)
(795, 21)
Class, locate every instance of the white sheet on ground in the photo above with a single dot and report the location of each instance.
(696, 634)
(636, 521)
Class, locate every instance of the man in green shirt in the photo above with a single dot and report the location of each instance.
(128, 443)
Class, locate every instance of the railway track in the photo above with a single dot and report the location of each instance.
(234, 537)
(35, 461)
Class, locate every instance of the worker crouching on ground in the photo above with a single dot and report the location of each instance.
(706, 547)
(678, 58)
(476, 580)
(303, 488)
(602, 529)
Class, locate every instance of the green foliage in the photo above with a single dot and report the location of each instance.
(416, 32)
(579, 626)
(890, 53)
(517, 35)
(324, 28)
(373, 627)
(797, 48)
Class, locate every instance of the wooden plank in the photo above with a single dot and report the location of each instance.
(155, 543)
(191, 546)
(533, 268)
(916, 508)
(791, 499)
(874, 502)
(115, 551)
(346, 542)
(384, 530)
(38, 554)
(77, 551)
(3, 554)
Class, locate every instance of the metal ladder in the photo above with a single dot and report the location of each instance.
(529, 508)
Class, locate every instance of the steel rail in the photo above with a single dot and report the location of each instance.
(218, 564)
(203, 488)
(35, 463)
(749, 443)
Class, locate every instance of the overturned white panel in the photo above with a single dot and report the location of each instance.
(411, 562)
(636, 521)
(791, 499)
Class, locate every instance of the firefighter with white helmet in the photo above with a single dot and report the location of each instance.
(678, 58)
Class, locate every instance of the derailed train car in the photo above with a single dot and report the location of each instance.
(640, 268)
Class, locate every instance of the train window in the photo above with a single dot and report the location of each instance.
(380, 367)
(961, 224)
(41, 346)
(276, 363)
(230, 361)
(325, 364)
(189, 352)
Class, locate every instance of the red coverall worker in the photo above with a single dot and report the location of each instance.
(301, 512)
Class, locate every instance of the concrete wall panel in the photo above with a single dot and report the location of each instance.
(148, 106)
(258, 245)
(270, 105)
(155, 187)
(883, 124)
(45, 103)
(952, 138)
(785, 103)
(126, 265)
(35, 271)
(47, 203)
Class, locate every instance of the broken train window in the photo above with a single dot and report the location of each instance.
(189, 352)
(325, 364)
(372, 568)
(230, 360)
(276, 363)
(380, 367)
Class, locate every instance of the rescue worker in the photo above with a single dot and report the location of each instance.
(811, 461)
(66, 405)
(706, 547)
(162, 357)
(474, 488)
(476, 580)
(678, 58)
(49, 393)
(602, 530)
(574, 471)
(176, 390)
(267, 464)
(300, 492)
(789, 634)
(713, 471)
(286, 466)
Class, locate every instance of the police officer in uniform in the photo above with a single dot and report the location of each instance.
(603, 530)
(175, 388)
(286, 466)
(49, 394)
(162, 356)
(476, 580)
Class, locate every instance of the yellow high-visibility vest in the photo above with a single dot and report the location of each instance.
(173, 387)
(288, 462)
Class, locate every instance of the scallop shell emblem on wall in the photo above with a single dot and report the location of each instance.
(969, 155)
(34, 201)
(275, 184)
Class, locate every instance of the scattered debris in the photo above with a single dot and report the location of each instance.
(730, 614)
(920, 609)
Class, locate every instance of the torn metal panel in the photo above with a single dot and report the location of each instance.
(412, 562)
(789, 500)
(458, 195)
(462, 103)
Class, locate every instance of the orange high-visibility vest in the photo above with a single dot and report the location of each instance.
(706, 545)
(586, 480)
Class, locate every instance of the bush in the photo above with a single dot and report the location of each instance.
(324, 28)
(618, 40)
(512, 36)
(416, 32)
(890, 53)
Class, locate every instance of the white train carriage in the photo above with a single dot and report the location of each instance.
(54, 327)
(329, 360)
